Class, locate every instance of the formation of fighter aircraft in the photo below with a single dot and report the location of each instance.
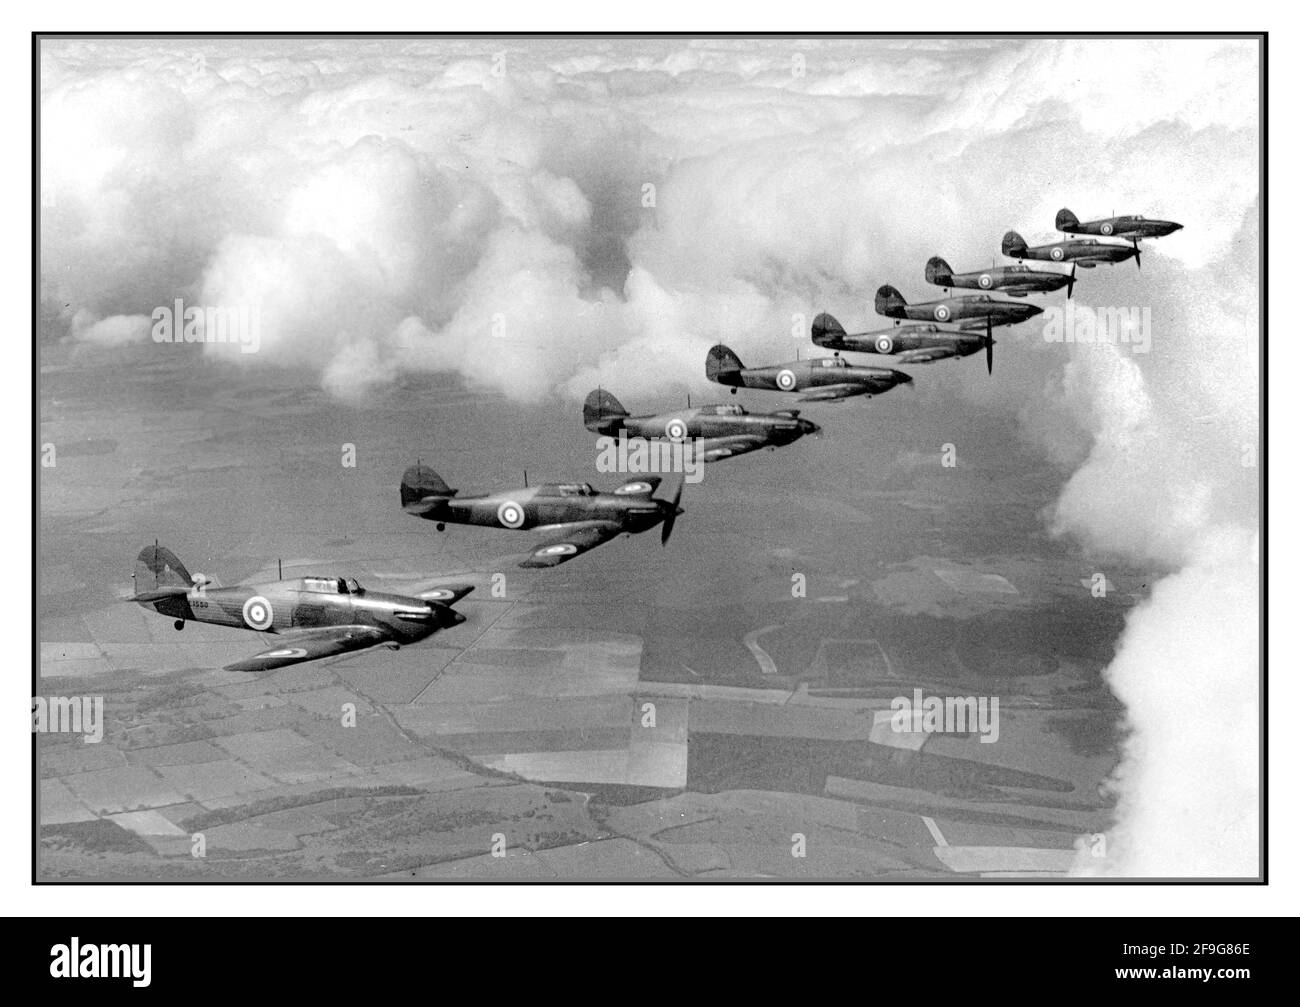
(321, 616)
(944, 329)
(312, 617)
(950, 327)
(819, 378)
(716, 431)
(574, 516)
(1088, 252)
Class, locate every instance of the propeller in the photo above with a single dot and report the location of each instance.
(673, 511)
(988, 345)
(1069, 287)
(1137, 254)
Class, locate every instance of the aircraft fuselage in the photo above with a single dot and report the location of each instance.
(285, 605)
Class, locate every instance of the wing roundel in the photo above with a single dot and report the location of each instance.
(641, 486)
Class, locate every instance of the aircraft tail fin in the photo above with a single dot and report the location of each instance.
(826, 330)
(1013, 245)
(1065, 220)
(420, 482)
(722, 365)
(889, 302)
(938, 272)
(600, 408)
(158, 571)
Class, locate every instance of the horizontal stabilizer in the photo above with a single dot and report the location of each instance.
(158, 594)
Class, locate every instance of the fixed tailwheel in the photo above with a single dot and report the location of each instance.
(178, 625)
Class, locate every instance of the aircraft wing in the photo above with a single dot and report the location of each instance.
(840, 391)
(926, 356)
(716, 448)
(312, 645)
(571, 540)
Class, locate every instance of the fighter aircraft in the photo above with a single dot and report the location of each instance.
(1133, 227)
(718, 431)
(1014, 281)
(315, 617)
(1087, 252)
(820, 378)
(575, 516)
(969, 312)
(911, 344)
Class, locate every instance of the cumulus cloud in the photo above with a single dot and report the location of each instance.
(115, 330)
(541, 217)
(1187, 672)
(390, 203)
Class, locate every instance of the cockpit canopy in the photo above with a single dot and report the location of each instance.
(566, 490)
(722, 410)
(831, 362)
(329, 585)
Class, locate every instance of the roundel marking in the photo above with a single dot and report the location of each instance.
(676, 430)
(633, 488)
(438, 594)
(942, 312)
(561, 549)
(1058, 254)
(511, 514)
(986, 281)
(285, 652)
(258, 613)
(884, 344)
(1106, 228)
(785, 380)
